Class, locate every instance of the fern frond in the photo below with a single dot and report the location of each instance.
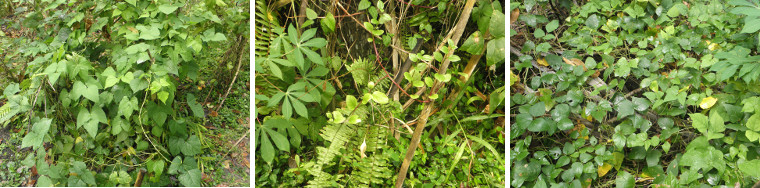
(266, 22)
(360, 70)
(7, 112)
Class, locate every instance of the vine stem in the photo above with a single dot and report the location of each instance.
(139, 116)
(240, 59)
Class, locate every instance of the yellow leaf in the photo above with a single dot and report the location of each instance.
(707, 102)
(543, 62)
(79, 139)
(602, 170)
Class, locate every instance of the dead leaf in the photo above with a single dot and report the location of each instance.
(213, 113)
(246, 163)
(575, 62)
(206, 178)
(226, 164)
(514, 15)
(132, 29)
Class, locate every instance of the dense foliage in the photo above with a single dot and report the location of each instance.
(634, 93)
(100, 88)
(326, 111)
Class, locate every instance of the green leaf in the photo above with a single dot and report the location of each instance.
(538, 109)
(364, 4)
(551, 26)
(495, 51)
(625, 108)
(640, 104)
(279, 140)
(148, 32)
(717, 125)
(299, 107)
(196, 107)
(176, 163)
(287, 108)
(751, 26)
(753, 123)
(98, 114)
(266, 149)
(379, 97)
(35, 137)
(83, 117)
(496, 24)
(163, 95)
(328, 23)
(624, 180)
(91, 92)
(354, 119)
(750, 168)
(338, 117)
(92, 128)
(44, 181)
(167, 8)
(351, 102)
(677, 9)
(311, 14)
(192, 146)
(699, 121)
(191, 178)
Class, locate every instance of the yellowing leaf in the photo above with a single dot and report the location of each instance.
(713, 47)
(602, 170)
(542, 62)
(707, 102)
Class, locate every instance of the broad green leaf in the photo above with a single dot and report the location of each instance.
(496, 50)
(191, 178)
(83, 117)
(192, 146)
(163, 95)
(538, 109)
(176, 163)
(35, 137)
(328, 23)
(311, 14)
(753, 123)
(351, 102)
(196, 107)
(98, 114)
(699, 121)
(379, 97)
(750, 168)
(91, 92)
(279, 140)
(354, 119)
(148, 32)
(625, 109)
(496, 25)
(364, 4)
(751, 26)
(624, 180)
(167, 8)
(92, 128)
(338, 117)
(44, 181)
(551, 26)
(299, 107)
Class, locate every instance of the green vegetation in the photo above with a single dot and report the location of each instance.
(634, 93)
(124, 93)
(329, 113)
